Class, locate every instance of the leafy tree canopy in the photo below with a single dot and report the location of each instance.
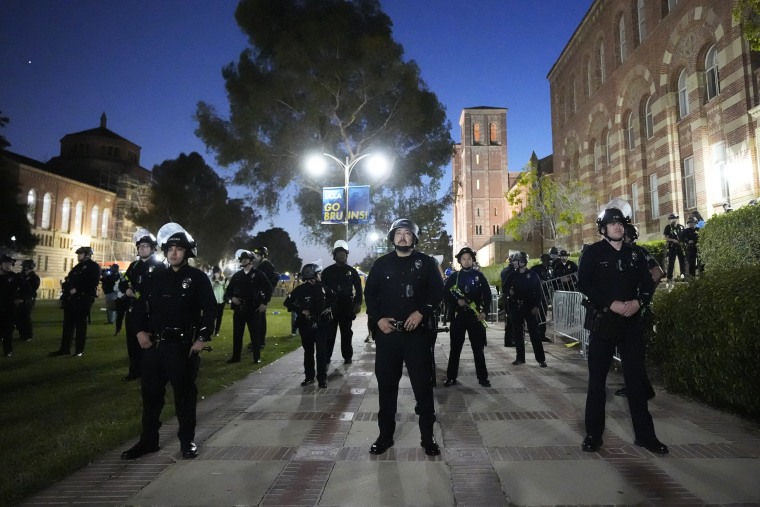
(283, 252)
(748, 13)
(326, 76)
(187, 191)
(3, 122)
(548, 207)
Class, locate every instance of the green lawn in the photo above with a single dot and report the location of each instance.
(58, 413)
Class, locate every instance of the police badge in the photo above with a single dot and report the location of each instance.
(417, 263)
(186, 283)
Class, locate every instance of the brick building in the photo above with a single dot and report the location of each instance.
(656, 101)
(82, 197)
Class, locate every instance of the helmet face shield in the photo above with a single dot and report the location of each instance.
(310, 271)
(173, 234)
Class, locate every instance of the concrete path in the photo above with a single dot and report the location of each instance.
(267, 441)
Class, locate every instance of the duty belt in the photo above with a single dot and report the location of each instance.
(176, 335)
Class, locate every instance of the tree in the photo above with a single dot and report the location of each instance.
(748, 13)
(325, 76)
(187, 191)
(547, 206)
(4, 120)
(283, 252)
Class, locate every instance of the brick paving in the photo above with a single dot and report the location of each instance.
(516, 443)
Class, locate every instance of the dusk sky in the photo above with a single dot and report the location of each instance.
(147, 63)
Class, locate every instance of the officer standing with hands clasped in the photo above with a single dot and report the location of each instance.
(403, 287)
(616, 280)
(176, 319)
(468, 294)
(523, 290)
(346, 283)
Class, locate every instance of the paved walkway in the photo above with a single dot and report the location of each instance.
(267, 441)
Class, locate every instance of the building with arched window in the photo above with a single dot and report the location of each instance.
(675, 99)
(81, 197)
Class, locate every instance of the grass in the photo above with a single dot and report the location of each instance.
(59, 413)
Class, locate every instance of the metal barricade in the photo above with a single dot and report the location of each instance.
(548, 287)
(568, 315)
(493, 315)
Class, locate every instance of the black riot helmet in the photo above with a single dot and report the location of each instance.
(608, 216)
(673, 216)
(261, 250)
(144, 236)
(404, 223)
(310, 271)
(28, 264)
(631, 232)
(243, 254)
(521, 258)
(86, 250)
(466, 250)
(182, 239)
(7, 258)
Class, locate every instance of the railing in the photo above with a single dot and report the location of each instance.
(568, 315)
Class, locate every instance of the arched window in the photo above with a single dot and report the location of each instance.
(683, 96)
(94, 221)
(589, 78)
(621, 39)
(712, 77)
(104, 223)
(602, 68)
(66, 215)
(476, 133)
(78, 218)
(31, 206)
(493, 134)
(573, 96)
(648, 118)
(642, 18)
(630, 141)
(47, 206)
(596, 152)
(606, 149)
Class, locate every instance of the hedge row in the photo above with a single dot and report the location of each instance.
(731, 240)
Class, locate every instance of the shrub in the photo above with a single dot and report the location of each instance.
(731, 240)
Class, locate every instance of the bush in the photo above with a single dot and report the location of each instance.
(655, 248)
(705, 341)
(731, 240)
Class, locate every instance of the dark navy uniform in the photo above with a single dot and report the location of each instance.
(14, 291)
(315, 328)
(396, 287)
(24, 310)
(346, 283)
(524, 290)
(84, 277)
(266, 267)
(690, 238)
(607, 275)
(253, 289)
(509, 336)
(178, 309)
(138, 278)
(545, 273)
(674, 232)
(474, 286)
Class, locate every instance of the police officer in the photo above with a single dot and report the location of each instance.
(175, 319)
(673, 234)
(468, 294)
(524, 289)
(346, 283)
(14, 291)
(616, 281)
(24, 310)
(545, 272)
(564, 268)
(505, 275)
(134, 285)
(690, 237)
(249, 292)
(313, 301)
(262, 263)
(403, 287)
(109, 281)
(79, 290)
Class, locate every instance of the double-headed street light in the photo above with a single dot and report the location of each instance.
(376, 164)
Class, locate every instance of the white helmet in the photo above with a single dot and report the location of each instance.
(340, 245)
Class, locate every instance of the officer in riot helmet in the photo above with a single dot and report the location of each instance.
(690, 237)
(14, 291)
(79, 291)
(249, 293)
(469, 300)
(616, 280)
(403, 288)
(523, 307)
(346, 283)
(175, 318)
(24, 310)
(673, 234)
(545, 272)
(262, 263)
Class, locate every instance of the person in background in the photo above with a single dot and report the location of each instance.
(545, 272)
(79, 291)
(24, 310)
(345, 282)
(219, 284)
(690, 238)
(673, 236)
(109, 281)
(506, 275)
(14, 291)
(524, 289)
(262, 263)
(312, 301)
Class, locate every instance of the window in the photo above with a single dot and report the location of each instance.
(589, 78)
(47, 205)
(634, 202)
(595, 154)
(672, 5)
(689, 183)
(493, 134)
(495, 212)
(683, 96)
(719, 167)
(621, 39)
(66, 215)
(606, 150)
(602, 70)
(649, 118)
(78, 218)
(630, 141)
(104, 223)
(712, 78)
(642, 18)
(654, 197)
(31, 206)
(94, 221)
(476, 133)
(477, 184)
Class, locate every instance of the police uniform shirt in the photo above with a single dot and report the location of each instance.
(690, 235)
(398, 286)
(543, 272)
(33, 281)
(345, 282)
(526, 287)
(650, 260)
(564, 269)
(473, 284)
(139, 275)
(252, 287)
(673, 232)
(84, 277)
(181, 299)
(267, 268)
(505, 273)
(12, 286)
(607, 275)
(315, 297)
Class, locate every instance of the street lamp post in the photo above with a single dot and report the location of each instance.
(317, 165)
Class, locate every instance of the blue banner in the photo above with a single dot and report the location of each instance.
(334, 205)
